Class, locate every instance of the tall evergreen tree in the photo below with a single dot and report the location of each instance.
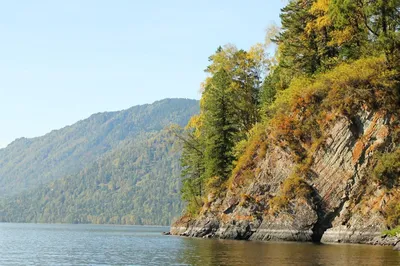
(220, 126)
(229, 108)
(192, 162)
(298, 47)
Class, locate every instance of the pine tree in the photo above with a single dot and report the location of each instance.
(192, 162)
(229, 108)
(220, 126)
(297, 45)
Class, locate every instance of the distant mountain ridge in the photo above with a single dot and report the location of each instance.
(30, 163)
(135, 183)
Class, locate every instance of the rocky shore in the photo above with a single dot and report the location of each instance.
(368, 238)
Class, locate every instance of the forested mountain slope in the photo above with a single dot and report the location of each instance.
(30, 163)
(136, 183)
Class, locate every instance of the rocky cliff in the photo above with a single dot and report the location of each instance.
(339, 201)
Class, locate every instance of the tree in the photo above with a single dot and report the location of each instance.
(192, 162)
(369, 25)
(230, 103)
(229, 108)
(220, 126)
(298, 47)
(244, 72)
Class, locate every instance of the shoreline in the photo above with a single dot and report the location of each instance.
(377, 240)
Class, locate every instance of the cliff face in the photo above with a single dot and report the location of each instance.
(343, 204)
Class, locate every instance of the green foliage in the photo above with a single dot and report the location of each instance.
(214, 184)
(30, 163)
(372, 24)
(229, 109)
(192, 162)
(317, 35)
(220, 127)
(387, 169)
(268, 94)
(393, 232)
(299, 50)
(253, 147)
(136, 182)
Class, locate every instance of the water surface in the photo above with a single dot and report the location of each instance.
(43, 244)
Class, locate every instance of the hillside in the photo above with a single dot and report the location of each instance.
(26, 164)
(136, 183)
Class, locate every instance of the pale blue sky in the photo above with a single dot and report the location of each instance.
(61, 61)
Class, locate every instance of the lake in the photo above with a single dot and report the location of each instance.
(44, 244)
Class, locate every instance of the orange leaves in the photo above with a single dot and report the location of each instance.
(284, 125)
(358, 151)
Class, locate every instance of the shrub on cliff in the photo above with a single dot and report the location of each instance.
(293, 187)
(392, 213)
(387, 170)
(349, 85)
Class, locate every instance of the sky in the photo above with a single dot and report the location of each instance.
(61, 61)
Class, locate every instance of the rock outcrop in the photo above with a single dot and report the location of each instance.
(344, 203)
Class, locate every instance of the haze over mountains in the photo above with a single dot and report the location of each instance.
(113, 167)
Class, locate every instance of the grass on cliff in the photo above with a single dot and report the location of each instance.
(387, 169)
(293, 187)
(393, 232)
(302, 114)
(392, 212)
(300, 117)
(387, 173)
(308, 107)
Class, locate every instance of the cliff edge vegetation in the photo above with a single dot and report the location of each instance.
(303, 145)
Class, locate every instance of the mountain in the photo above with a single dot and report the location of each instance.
(114, 168)
(26, 164)
(136, 183)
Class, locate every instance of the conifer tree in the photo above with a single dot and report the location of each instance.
(220, 126)
(298, 47)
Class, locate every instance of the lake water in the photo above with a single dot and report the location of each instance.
(43, 244)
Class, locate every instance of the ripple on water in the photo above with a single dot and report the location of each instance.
(42, 244)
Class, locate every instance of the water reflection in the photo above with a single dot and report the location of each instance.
(227, 252)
